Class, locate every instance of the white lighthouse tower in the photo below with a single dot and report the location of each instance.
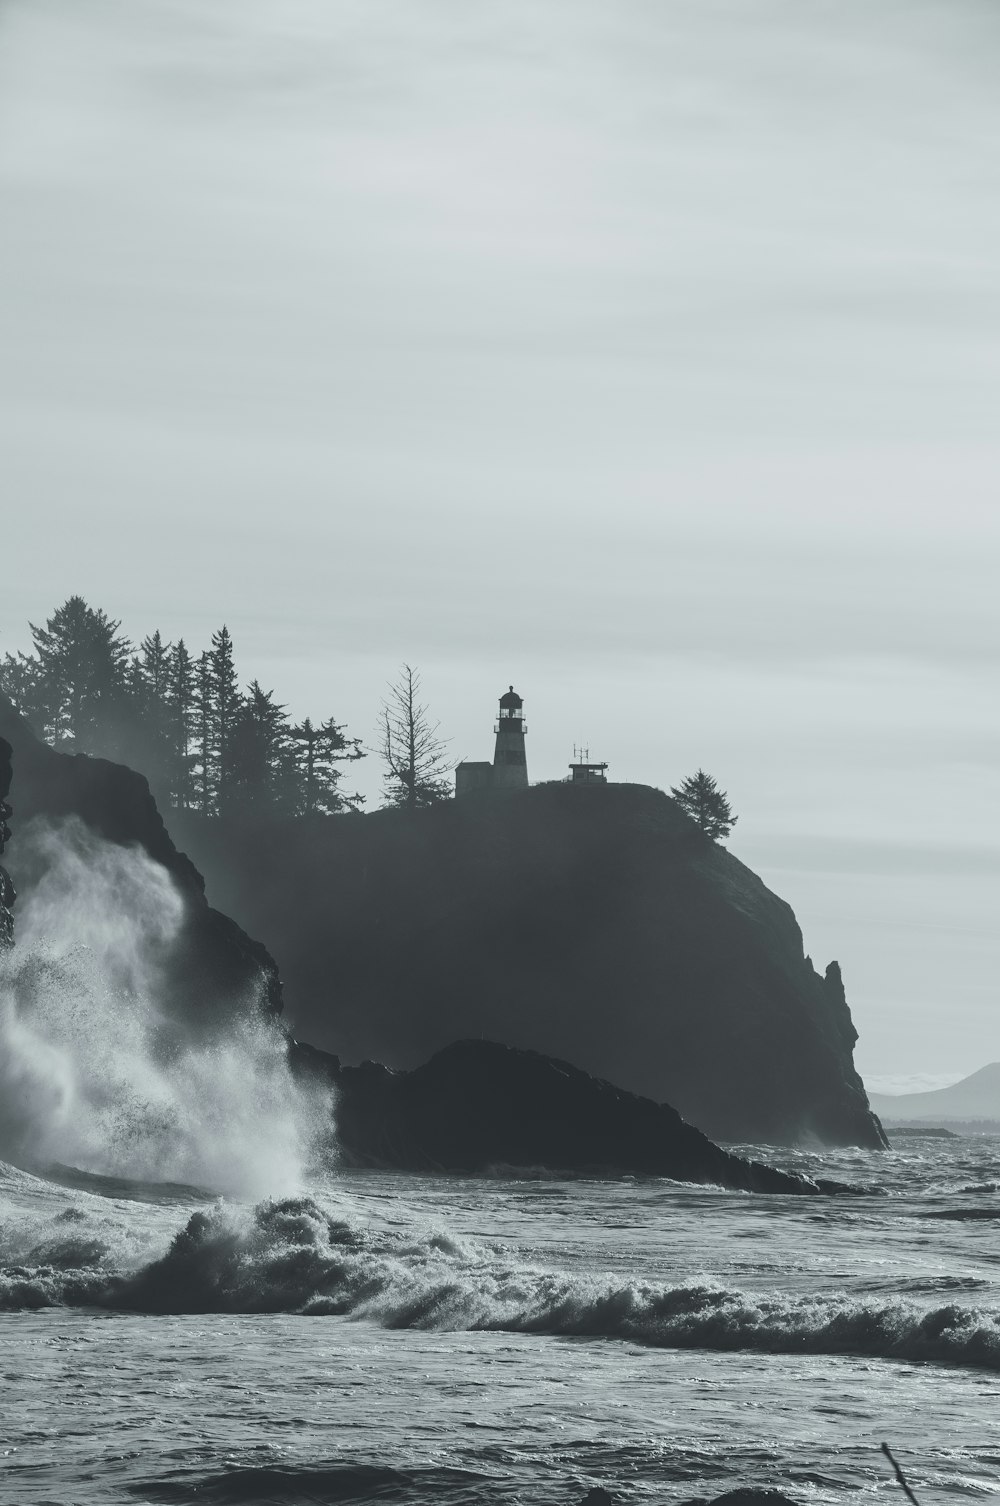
(510, 767)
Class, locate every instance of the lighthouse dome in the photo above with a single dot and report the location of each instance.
(511, 700)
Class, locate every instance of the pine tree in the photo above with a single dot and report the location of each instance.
(700, 798)
(320, 749)
(131, 731)
(225, 704)
(181, 703)
(185, 725)
(258, 749)
(205, 755)
(146, 737)
(155, 661)
(414, 755)
(21, 681)
(82, 673)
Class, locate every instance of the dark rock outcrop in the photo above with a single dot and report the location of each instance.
(478, 1106)
(594, 924)
(213, 965)
(745, 1496)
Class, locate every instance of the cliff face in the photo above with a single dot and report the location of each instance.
(212, 964)
(594, 924)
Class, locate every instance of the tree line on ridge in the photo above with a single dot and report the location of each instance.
(205, 744)
(210, 747)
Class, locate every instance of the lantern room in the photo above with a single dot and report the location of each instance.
(511, 706)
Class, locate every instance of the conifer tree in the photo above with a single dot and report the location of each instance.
(700, 798)
(257, 750)
(320, 750)
(181, 702)
(132, 738)
(82, 673)
(134, 685)
(206, 759)
(137, 731)
(180, 721)
(155, 661)
(21, 681)
(225, 703)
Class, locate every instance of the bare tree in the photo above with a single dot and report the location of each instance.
(414, 755)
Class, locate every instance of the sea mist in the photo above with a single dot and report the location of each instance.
(99, 1072)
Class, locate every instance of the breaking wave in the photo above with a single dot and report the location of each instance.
(292, 1256)
(99, 1068)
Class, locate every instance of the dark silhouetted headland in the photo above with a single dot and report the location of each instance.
(596, 918)
(593, 924)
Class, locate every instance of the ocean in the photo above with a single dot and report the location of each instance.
(380, 1336)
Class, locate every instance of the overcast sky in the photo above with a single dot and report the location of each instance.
(644, 353)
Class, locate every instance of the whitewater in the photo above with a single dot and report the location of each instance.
(377, 1335)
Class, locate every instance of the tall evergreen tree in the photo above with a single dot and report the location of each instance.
(225, 704)
(85, 689)
(151, 732)
(320, 749)
(21, 681)
(155, 661)
(205, 743)
(83, 670)
(257, 750)
(700, 798)
(181, 702)
(182, 722)
(130, 729)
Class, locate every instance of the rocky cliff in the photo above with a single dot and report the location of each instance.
(212, 964)
(407, 901)
(592, 924)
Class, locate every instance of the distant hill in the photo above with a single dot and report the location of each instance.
(976, 1097)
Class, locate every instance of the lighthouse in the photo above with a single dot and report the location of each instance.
(510, 767)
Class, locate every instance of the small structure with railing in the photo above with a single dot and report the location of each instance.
(584, 770)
